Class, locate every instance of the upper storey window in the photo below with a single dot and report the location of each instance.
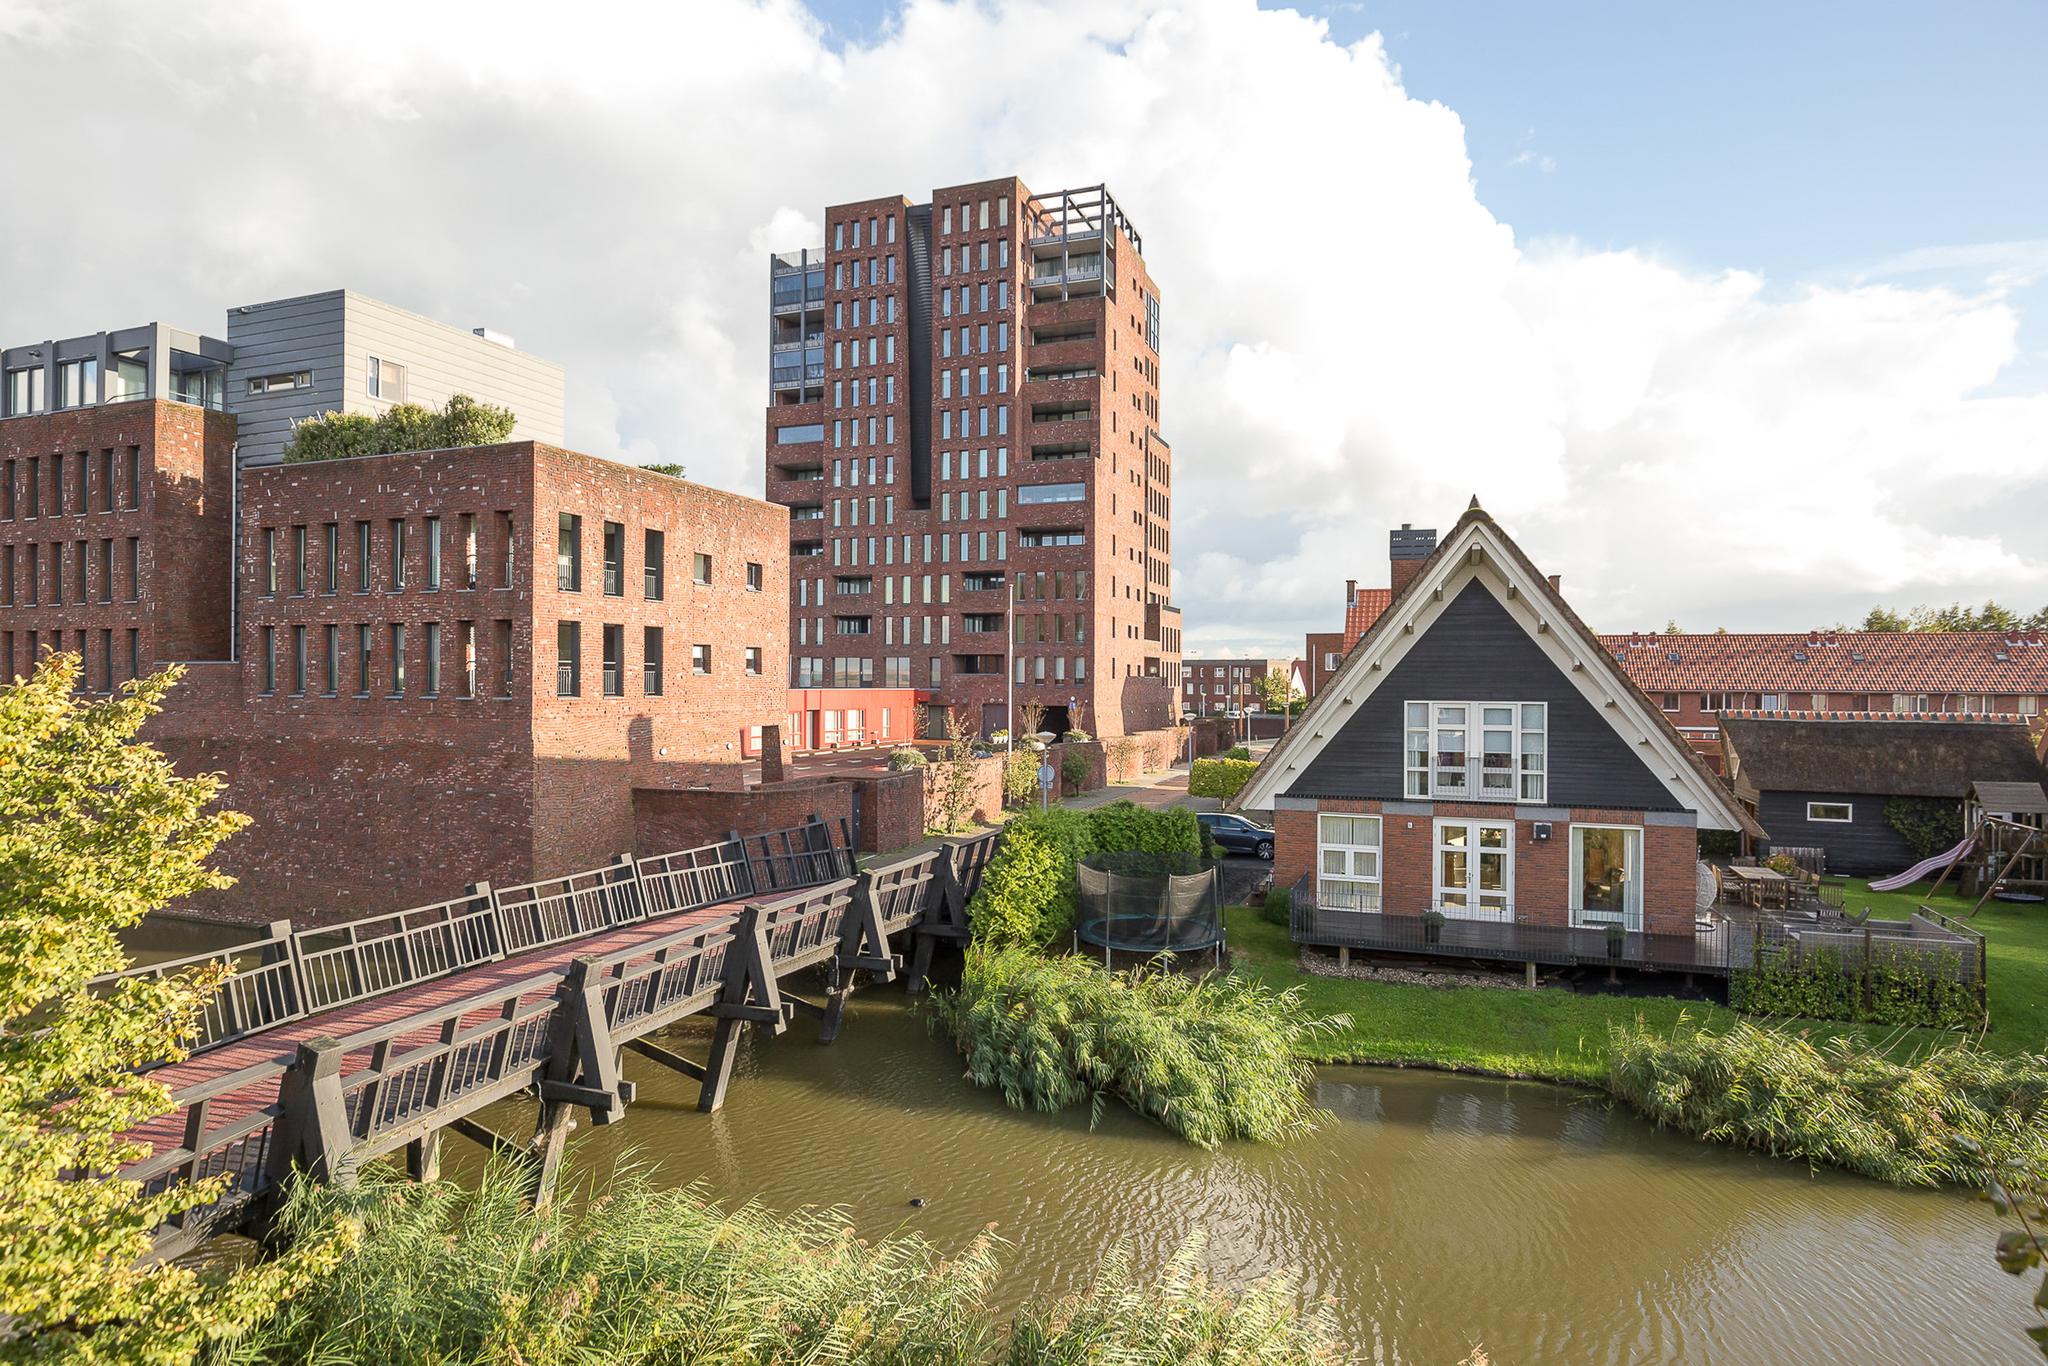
(1477, 751)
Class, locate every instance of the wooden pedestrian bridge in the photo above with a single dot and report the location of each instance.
(329, 1048)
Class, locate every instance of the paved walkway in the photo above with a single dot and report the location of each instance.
(1157, 790)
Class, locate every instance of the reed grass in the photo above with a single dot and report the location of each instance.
(1845, 1104)
(450, 1276)
(1213, 1059)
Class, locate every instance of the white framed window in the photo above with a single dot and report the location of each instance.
(1607, 875)
(272, 384)
(386, 380)
(1833, 813)
(1483, 751)
(1475, 869)
(1348, 862)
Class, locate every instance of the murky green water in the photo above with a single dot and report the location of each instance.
(1437, 1212)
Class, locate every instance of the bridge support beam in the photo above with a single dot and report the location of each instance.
(751, 996)
(423, 1158)
(313, 1130)
(944, 921)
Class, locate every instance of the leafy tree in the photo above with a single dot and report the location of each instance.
(674, 471)
(462, 421)
(96, 831)
(1884, 619)
(1275, 690)
(952, 777)
(1671, 627)
(1926, 823)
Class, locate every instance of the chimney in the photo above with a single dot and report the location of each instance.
(1350, 593)
(1556, 582)
(1407, 548)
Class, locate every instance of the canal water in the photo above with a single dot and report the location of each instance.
(1436, 1212)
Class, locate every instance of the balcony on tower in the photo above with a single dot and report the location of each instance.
(1070, 234)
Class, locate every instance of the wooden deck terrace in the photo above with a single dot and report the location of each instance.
(324, 1090)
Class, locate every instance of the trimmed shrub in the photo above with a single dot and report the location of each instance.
(1212, 1059)
(1896, 986)
(1276, 908)
(1077, 735)
(1910, 1124)
(1223, 778)
(1074, 768)
(901, 759)
(1236, 752)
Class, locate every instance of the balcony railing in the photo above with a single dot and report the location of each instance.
(1481, 778)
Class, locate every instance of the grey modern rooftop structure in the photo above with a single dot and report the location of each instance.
(285, 361)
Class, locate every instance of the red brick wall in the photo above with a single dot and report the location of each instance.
(988, 790)
(1091, 751)
(892, 812)
(179, 519)
(1541, 868)
(665, 820)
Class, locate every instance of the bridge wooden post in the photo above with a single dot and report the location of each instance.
(751, 996)
(944, 918)
(312, 1130)
(595, 1065)
(863, 947)
(497, 916)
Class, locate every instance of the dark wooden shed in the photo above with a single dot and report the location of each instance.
(1824, 784)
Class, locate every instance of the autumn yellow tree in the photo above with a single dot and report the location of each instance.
(97, 830)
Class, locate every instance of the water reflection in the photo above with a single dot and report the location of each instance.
(1437, 1211)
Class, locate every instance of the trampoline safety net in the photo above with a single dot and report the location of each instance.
(1136, 902)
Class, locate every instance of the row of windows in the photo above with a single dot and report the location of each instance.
(1967, 704)
(981, 381)
(874, 227)
(969, 334)
(810, 672)
(973, 298)
(653, 561)
(309, 558)
(967, 253)
(101, 653)
(1039, 585)
(867, 270)
(868, 312)
(73, 562)
(612, 660)
(61, 484)
(968, 219)
(366, 655)
(1473, 863)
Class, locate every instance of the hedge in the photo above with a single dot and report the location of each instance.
(1895, 987)
(1219, 777)
(1027, 891)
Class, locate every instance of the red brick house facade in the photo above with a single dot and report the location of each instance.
(1479, 754)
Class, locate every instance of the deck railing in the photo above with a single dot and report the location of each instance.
(1717, 946)
(288, 975)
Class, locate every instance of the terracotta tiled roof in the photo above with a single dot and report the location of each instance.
(1362, 611)
(1992, 662)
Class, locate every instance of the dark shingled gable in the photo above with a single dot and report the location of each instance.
(1887, 758)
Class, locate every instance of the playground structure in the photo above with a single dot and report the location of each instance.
(1143, 903)
(2004, 858)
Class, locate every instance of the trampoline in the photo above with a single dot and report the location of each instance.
(1134, 902)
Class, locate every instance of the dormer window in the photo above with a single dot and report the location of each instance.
(1477, 751)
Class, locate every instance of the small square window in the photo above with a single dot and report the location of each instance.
(700, 659)
(700, 567)
(753, 577)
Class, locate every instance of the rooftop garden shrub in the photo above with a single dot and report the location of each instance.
(906, 757)
(462, 421)
(1908, 1123)
(1077, 735)
(1213, 1059)
(1222, 778)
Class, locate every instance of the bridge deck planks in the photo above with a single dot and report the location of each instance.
(281, 1042)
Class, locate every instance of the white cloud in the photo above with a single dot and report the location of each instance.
(1353, 341)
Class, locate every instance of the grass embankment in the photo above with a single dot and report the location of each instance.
(1562, 1036)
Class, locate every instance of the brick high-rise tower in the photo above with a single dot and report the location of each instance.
(964, 423)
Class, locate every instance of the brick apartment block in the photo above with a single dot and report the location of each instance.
(965, 406)
(448, 665)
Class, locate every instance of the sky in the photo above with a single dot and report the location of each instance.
(1735, 316)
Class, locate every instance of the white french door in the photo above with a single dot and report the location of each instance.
(1607, 875)
(1475, 873)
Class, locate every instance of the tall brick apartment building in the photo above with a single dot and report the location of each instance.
(964, 423)
(414, 669)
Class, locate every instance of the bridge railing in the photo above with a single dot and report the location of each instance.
(806, 926)
(288, 975)
(225, 1127)
(381, 953)
(676, 975)
(263, 990)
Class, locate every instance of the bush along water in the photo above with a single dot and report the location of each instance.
(1212, 1059)
(1895, 987)
(1909, 1123)
(1027, 891)
(448, 1277)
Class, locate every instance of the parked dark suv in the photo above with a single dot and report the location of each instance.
(1236, 834)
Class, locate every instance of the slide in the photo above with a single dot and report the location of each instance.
(1921, 869)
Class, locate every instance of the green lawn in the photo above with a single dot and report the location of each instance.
(1562, 1036)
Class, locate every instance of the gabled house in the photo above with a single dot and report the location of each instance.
(1479, 754)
